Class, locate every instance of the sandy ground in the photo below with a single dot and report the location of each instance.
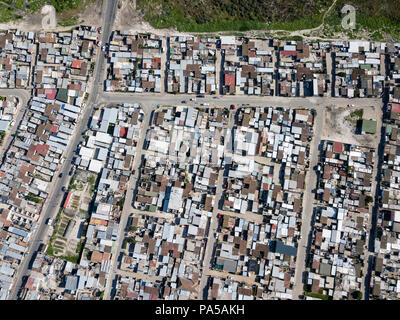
(335, 127)
(33, 22)
(129, 19)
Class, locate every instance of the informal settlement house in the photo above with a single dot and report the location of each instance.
(37, 151)
(385, 283)
(263, 244)
(178, 183)
(359, 68)
(192, 65)
(340, 234)
(394, 67)
(248, 66)
(302, 69)
(134, 63)
(229, 289)
(17, 56)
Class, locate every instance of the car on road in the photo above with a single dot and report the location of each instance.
(183, 101)
(206, 104)
(60, 175)
(200, 96)
(70, 172)
(233, 107)
(63, 189)
(12, 122)
(49, 221)
(159, 105)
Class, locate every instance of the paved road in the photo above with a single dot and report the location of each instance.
(51, 206)
(308, 199)
(152, 99)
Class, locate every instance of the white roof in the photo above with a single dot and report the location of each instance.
(86, 153)
(227, 40)
(103, 137)
(95, 166)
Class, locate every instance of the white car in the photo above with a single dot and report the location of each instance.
(49, 221)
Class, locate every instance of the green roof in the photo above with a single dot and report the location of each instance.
(368, 126)
(62, 95)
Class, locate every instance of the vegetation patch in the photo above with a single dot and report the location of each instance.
(232, 15)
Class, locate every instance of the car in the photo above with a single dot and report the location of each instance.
(233, 107)
(159, 105)
(206, 104)
(49, 221)
(103, 48)
(70, 172)
(60, 175)
(12, 122)
(183, 101)
(63, 189)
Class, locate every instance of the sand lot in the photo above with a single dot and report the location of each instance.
(336, 125)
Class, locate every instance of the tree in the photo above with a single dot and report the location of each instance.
(357, 295)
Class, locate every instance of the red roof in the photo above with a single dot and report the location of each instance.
(76, 64)
(337, 147)
(67, 200)
(229, 79)
(54, 129)
(288, 53)
(396, 107)
(50, 93)
(30, 283)
(123, 132)
(42, 149)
